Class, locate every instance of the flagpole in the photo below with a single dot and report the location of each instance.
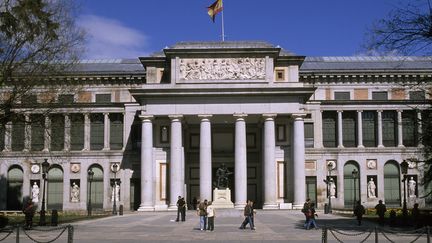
(223, 29)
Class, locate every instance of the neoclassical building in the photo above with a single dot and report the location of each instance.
(283, 124)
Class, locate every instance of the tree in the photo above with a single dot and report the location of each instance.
(407, 30)
(36, 37)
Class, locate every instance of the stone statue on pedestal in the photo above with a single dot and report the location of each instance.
(371, 188)
(75, 193)
(411, 187)
(35, 193)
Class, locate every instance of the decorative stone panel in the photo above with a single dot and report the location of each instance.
(84, 97)
(361, 94)
(398, 94)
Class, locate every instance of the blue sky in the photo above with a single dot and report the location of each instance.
(131, 28)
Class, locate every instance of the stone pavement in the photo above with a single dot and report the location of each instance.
(271, 226)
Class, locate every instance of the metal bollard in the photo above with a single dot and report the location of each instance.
(121, 209)
(428, 234)
(376, 234)
(17, 233)
(54, 218)
(70, 234)
(324, 235)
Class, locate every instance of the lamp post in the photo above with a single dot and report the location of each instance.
(90, 174)
(45, 167)
(404, 170)
(115, 169)
(355, 176)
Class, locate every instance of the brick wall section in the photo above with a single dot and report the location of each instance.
(84, 97)
(398, 94)
(361, 94)
(328, 94)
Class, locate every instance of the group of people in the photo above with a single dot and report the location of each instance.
(206, 213)
(248, 213)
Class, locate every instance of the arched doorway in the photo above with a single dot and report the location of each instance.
(97, 187)
(55, 188)
(351, 185)
(14, 188)
(392, 192)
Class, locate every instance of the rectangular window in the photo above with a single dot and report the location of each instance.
(77, 132)
(311, 188)
(281, 132)
(369, 126)
(29, 99)
(342, 95)
(409, 128)
(309, 135)
(57, 132)
(329, 129)
(66, 99)
(349, 128)
(103, 98)
(116, 130)
(96, 131)
(164, 134)
(280, 75)
(389, 129)
(37, 132)
(380, 95)
(18, 128)
(417, 95)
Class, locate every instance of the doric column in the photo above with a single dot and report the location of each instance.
(299, 161)
(47, 132)
(419, 128)
(67, 132)
(106, 131)
(359, 130)
(240, 161)
(8, 137)
(86, 131)
(400, 132)
(269, 163)
(205, 158)
(380, 137)
(176, 167)
(27, 133)
(339, 126)
(146, 163)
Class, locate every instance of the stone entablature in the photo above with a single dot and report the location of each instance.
(222, 69)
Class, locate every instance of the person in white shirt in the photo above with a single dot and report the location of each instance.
(210, 216)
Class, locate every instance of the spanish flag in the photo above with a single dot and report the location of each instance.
(214, 9)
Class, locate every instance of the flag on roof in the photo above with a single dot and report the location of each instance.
(214, 9)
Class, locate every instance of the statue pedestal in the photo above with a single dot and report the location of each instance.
(222, 198)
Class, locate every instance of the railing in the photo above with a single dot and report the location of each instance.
(37, 234)
(377, 234)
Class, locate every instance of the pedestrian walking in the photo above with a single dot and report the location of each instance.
(380, 211)
(202, 213)
(416, 217)
(305, 210)
(210, 216)
(248, 213)
(359, 210)
(311, 214)
(29, 211)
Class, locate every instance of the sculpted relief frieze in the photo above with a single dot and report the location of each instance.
(222, 69)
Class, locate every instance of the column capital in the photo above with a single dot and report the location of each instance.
(175, 117)
(339, 111)
(240, 115)
(146, 118)
(269, 115)
(359, 111)
(205, 116)
(399, 110)
(106, 113)
(298, 116)
(379, 111)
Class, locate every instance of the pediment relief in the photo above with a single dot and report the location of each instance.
(222, 69)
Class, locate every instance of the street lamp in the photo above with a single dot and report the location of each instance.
(115, 169)
(355, 176)
(45, 167)
(90, 174)
(404, 170)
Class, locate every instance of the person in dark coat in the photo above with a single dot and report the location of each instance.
(380, 211)
(29, 211)
(305, 210)
(248, 214)
(359, 210)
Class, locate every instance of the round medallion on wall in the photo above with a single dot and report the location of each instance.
(115, 167)
(331, 164)
(35, 168)
(371, 164)
(75, 168)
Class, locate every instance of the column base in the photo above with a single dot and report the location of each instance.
(401, 146)
(268, 206)
(360, 146)
(161, 207)
(380, 146)
(297, 206)
(172, 208)
(240, 205)
(146, 208)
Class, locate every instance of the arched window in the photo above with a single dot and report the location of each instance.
(14, 188)
(351, 185)
(55, 189)
(97, 187)
(392, 184)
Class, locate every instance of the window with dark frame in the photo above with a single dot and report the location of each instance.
(66, 99)
(379, 95)
(164, 134)
(281, 133)
(342, 95)
(329, 126)
(409, 128)
(280, 75)
(103, 98)
(349, 125)
(369, 128)
(29, 99)
(309, 135)
(417, 95)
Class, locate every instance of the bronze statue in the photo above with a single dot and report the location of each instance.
(222, 174)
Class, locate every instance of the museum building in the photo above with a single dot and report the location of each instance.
(141, 132)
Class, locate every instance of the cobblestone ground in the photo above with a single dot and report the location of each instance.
(271, 226)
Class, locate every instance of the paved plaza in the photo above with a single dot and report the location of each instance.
(271, 226)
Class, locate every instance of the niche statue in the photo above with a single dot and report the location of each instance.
(222, 174)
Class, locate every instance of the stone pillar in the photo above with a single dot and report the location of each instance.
(269, 163)
(8, 137)
(240, 161)
(299, 161)
(106, 131)
(419, 128)
(339, 126)
(380, 137)
(67, 132)
(86, 132)
(205, 158)
(359, 130)
(146, 164)
(47, 132)
(400, 132)
(27, 133)
(176, 168)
